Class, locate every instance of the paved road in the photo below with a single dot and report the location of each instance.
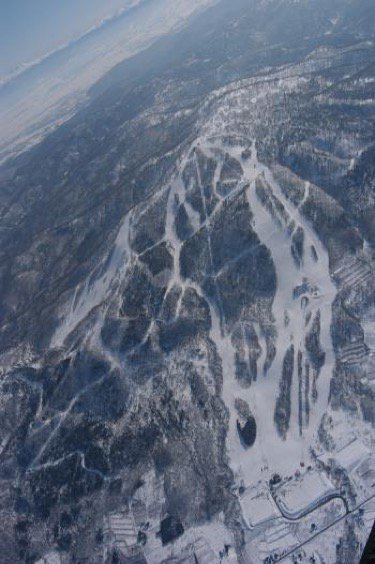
(292, 551)
(328, 497)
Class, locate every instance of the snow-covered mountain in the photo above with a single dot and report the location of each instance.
(187, 304)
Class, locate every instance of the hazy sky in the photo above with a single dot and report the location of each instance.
(31, 28)
(34, 102)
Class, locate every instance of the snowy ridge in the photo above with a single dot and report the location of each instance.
(95, 290)
(193, 240)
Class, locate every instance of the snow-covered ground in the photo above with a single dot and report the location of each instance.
(258, 505)
(270, 453)
(95, 290)
(206, 541)
(302, 492)
(297, 496)
(350, 455)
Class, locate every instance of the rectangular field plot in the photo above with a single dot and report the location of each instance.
(258, 505)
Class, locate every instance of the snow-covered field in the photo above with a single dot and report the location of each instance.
(351, 455)
(258, 505)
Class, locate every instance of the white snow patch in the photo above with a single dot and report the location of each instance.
(258, 506)
(95, 290)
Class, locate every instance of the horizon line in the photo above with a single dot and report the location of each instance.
(22, 68)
